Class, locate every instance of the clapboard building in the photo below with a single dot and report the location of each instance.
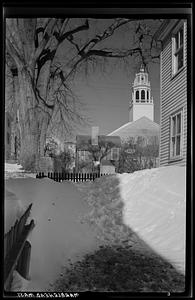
(173, 69)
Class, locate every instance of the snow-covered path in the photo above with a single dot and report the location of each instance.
(155, 208)
(58, 234)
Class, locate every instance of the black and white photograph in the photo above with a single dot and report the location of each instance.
(96, 110)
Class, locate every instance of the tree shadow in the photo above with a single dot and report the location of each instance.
(124, 262)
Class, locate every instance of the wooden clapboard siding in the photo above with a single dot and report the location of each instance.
(173, 97)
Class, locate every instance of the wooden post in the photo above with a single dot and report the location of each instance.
(23, 265)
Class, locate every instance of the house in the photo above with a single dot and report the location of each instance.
(98, 156)
(173, 69)
(141, 115)
(107, 167)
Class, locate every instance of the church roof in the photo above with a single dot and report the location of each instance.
(141, 127)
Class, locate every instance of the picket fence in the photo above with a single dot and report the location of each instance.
(75, 177)
(17, 249)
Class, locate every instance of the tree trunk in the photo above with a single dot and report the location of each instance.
(33, 123)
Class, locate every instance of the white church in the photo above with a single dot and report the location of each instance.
(141, 111)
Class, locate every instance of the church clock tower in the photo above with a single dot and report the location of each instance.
(141, 103)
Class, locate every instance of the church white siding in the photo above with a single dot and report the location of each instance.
(141, 110)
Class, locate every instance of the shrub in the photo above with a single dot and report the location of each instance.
(63, 161)
(29, 163)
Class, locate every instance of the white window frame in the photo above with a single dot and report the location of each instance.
(175, 52)
(174, 156)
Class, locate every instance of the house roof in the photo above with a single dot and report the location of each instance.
(141, 127)
(165, 28)
(83, 141)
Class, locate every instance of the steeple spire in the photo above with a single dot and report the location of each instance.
(142, 68)
(141, 103)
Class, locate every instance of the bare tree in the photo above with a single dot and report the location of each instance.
(139, 153)
(47, 54)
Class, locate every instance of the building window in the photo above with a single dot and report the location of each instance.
(178, 50)
(143, 95)
(137, 95)
(114, 154)
(147, 94)
(176, 135)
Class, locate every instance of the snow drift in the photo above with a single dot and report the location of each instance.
(58, 234)
(155, 209)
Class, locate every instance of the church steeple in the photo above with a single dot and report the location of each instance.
(141, 103)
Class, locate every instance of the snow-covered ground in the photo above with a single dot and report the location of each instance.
(154, 207)
(11, 168)
(16, 171)
(58, 234)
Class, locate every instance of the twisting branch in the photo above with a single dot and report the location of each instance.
(47, 35)
(106, 34)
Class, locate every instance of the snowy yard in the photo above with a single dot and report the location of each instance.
(58, 234)
(152, 203)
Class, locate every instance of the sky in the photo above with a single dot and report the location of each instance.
(106, 95)
(107, 98)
